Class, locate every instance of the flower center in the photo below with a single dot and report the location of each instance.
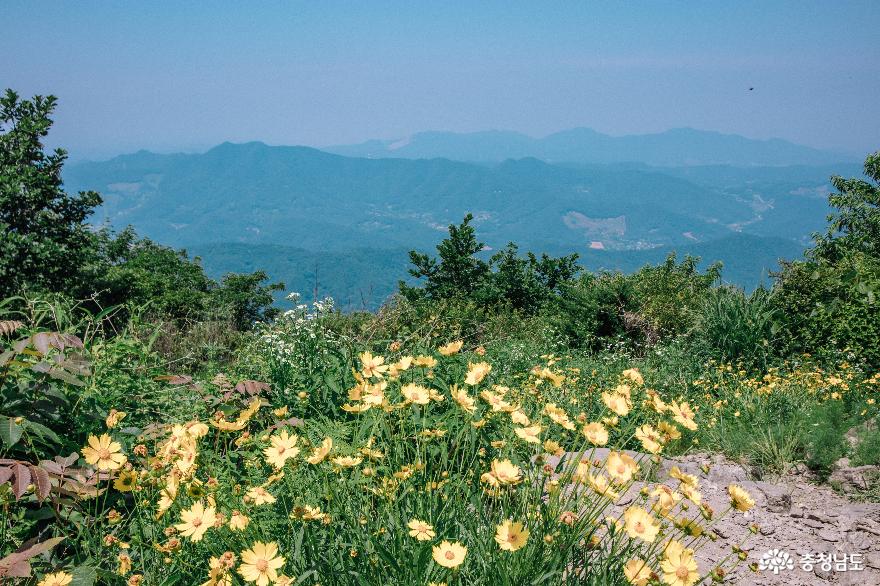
(639, 527)
(682, 572)
(262, 565)
(104, 454)
(196, 522)
(449, 555)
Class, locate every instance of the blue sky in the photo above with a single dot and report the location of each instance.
(172, 76)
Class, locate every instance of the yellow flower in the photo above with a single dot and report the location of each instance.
(511, 535)
(502, 472)
(552, 447)
(678, 565)
(450, 348)
(238, 521)
(477, 372)
(259, 496)
(616, 402)
(620, 467)
(421, 530)
(669, 430)
(558, 415)
(596, 434)
(683, 414)
(666, 498)
(650, 438)
(425, 361)
(124, 564)
(637, 571)
(282, 449)
(529, 434)
(633, 375)
(114, 417)
(347, 461)
(464, 400)
(417, 394)
(56, 579)
(691, 493)
(740, 498)
(321, 451)
(449, 554)
(126, 481)
(260, 563)
(640, 524)
(372, 366)
(280, 412)
(602, 487)
(196, 521)
(688, 479)
(519, 417)
(103, 453)
(496, 401)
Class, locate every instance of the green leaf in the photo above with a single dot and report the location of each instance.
(41, 430)
(84, 576)
(10, 431)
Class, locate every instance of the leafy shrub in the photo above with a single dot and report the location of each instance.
(732, 327)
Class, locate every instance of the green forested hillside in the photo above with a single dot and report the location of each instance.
(327, 209)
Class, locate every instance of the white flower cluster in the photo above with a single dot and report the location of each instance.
(297, 331)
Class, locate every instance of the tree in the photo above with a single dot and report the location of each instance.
(246, 299)
(509, 279)
(829, 301)
(45, 242)
(458, 274)
(855, 226)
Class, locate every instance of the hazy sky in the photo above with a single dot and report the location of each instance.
(188, 75)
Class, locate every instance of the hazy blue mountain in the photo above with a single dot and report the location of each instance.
(676, 147)
(287, 209)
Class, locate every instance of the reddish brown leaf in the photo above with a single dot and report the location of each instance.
(21, 481)
(41, 482)
(251, 387)
(16, 564)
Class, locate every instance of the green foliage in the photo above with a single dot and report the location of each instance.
(593, 309)
(830, 301)
(737, 328)
(457, 274)
(670, 293)
(524, 284)
(45, 242)
(246, 299)
(855, 224)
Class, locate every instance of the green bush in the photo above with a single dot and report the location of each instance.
(737, 328)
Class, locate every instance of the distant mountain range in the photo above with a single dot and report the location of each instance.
(292, 209)
(676, 147)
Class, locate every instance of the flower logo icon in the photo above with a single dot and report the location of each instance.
(776, 560)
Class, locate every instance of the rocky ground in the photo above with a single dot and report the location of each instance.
(795, 515)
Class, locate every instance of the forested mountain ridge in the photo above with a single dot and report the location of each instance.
(317, 203)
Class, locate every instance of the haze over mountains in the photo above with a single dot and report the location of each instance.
(676, 147)
(619, 202)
